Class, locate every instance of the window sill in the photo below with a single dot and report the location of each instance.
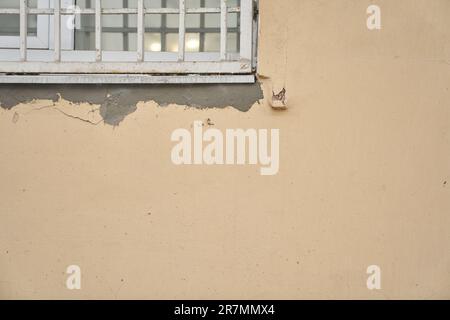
(125, 79)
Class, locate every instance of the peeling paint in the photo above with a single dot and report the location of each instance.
(118, 101)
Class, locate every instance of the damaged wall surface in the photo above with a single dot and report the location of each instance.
(86, 176)
(117, 101)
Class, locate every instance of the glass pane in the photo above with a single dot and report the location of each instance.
(118, 33)
(208, 27)
(212, 42)
(193, 20)
(10, 23)
(85, 27)
(161, 30)
(172, 42)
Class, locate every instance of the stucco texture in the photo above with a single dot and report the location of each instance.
(364, 175)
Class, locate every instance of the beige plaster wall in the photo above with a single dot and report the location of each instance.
(365, 157)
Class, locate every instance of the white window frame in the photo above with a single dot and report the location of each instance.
(40, 41)
(59, 65)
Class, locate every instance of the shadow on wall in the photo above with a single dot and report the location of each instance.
(118, 101)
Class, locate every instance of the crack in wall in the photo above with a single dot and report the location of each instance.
(78, 118)
(82, 112)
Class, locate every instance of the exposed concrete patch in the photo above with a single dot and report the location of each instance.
(115, 108)
(118, 101)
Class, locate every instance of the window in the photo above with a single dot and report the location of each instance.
(10, 27)
(120, 41)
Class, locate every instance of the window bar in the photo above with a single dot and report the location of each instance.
(140, 31)
(89, 11)
(163, 27)
(246, 29)
(23, 30)
(9, 11)
(182, 31)
(57, 29)
(223, 29)
(125, 20)
(98, 30)
(202, 27)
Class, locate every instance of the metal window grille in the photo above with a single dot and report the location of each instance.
(54, 65)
